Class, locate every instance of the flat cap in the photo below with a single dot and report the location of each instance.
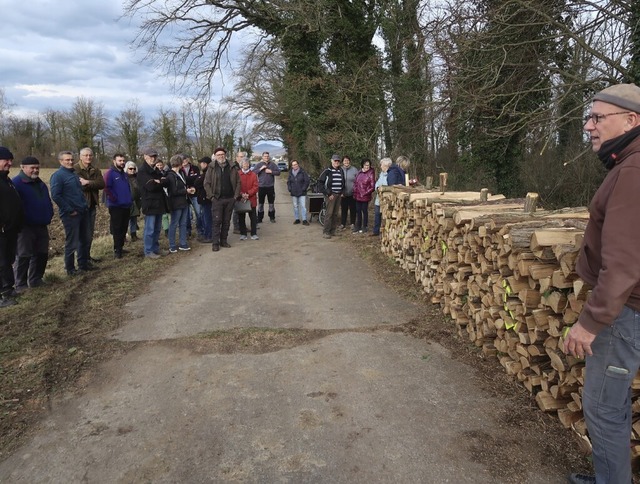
(626, 96)
(150, 152)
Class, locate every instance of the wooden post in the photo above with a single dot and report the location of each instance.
(443, 182)
(531, 202)
(429, 183)
(484, 194)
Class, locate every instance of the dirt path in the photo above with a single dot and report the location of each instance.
(355, 402)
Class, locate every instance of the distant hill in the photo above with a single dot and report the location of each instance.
(274, 150)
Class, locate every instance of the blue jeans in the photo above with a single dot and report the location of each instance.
(606, 397)
(377, 221)
(133, 224)
(151, 234)
(76, 229)
(178, 221)
(207, 219)
(299, 207)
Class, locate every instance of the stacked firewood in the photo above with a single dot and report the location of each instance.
(505, 273)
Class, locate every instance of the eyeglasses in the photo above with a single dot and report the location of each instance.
(131, 169)
(596, 118)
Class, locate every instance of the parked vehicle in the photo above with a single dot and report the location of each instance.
(282, 166)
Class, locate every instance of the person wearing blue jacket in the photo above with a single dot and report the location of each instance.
(298, 184)
(397, 171)
(33, 241)
(66, 192)
(118, 196)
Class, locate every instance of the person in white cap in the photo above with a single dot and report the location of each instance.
(607, 333)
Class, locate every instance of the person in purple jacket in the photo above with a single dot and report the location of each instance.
(118, 195)
(33, 241)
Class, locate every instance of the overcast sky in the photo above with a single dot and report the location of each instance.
(53, 51)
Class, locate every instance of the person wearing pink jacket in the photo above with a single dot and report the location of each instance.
(363, 188)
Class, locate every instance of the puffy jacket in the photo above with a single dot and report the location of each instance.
(298, 184)
(117, 189)
(36, 202)
(364, 185)
(249, 185)
(395, 175)
(66, 191)
(152, 193)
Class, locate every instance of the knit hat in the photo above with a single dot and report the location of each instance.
(626, 96)
(219, 148)
(205, 159)
(5, 154)
(30, 160)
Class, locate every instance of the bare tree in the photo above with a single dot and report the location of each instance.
(130, 128)
(88, 125)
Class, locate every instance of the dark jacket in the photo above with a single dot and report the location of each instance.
(395, 175)
(117, 190)
(177, 191)
(96, 183)
(152, 195)
(213, 177)
(609, 259)
(266, 179)
(298, 184)
(11, 211)
(190, 175)
(135, 195)
(66, 191)
(364, 185)
(325, 181)
(36, 202)
(198, 184)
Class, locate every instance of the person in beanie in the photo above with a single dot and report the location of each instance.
(11, 221)
(33, 240)
(606, 333)
(222, 184)
(119, 200)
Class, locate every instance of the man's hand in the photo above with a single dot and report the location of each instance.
(84, 182)
(578, 341)
(331, 197)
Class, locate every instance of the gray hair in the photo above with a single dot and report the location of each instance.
(130, 164)
(385, 162)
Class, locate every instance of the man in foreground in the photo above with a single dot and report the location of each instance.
(11, 220)
(606, 333)
(66, 191)
(33, 241)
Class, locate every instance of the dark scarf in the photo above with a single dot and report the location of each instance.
(610, 149)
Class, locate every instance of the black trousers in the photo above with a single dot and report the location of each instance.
(243, 224)
(348, 204)
(119, 223)
(32, 255)
(270, 194)
(8, 246)
(221, 210)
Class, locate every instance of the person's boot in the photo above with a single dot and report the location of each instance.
(21, 271)
(6, 300)
(134, 237)
(272, 216)
(260, 217)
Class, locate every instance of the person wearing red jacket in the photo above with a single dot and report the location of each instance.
(248, 191)
(363, 188)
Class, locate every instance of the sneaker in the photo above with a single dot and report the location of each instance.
(304, 222)
(361, 231)
(243, 237)
(326, 236)
(173, 251)
(341, 227)
(153, 255)
(184, 248)
(296, 222)
(355, 230)
(272, 220)
(581, 479)
(254, 237)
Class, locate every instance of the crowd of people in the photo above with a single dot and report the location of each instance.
(215, 193)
